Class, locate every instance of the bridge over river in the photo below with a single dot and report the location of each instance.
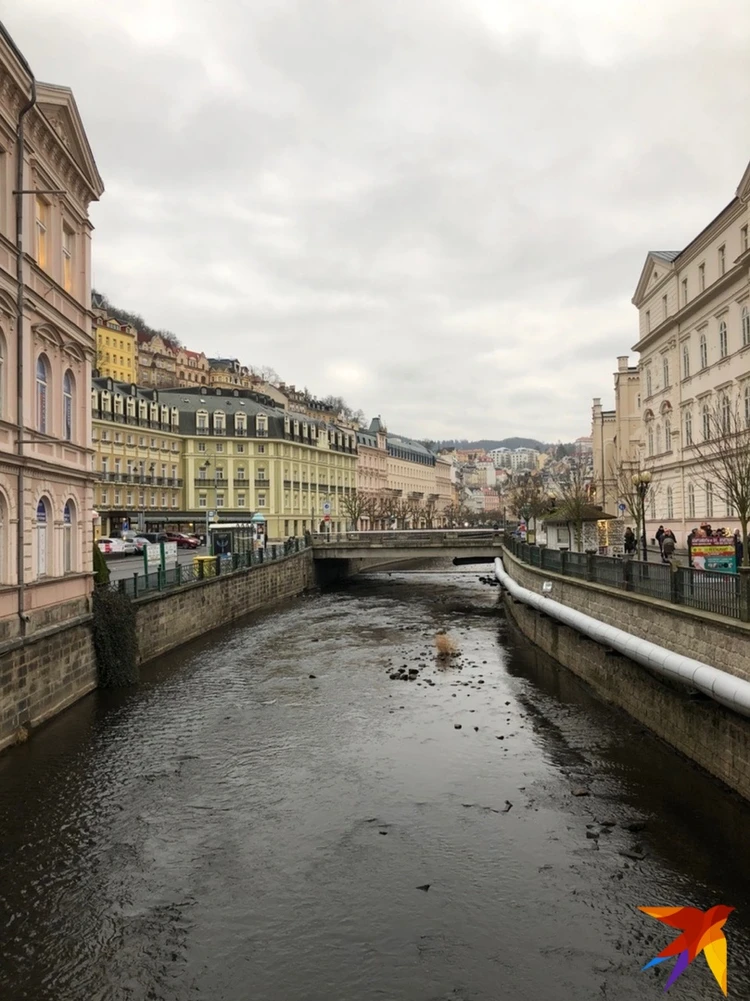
(460, 544)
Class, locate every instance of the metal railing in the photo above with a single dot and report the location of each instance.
(725, 594)
(203, 568)
(408, 536)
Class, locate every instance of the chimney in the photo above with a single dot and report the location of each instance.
(622, 363)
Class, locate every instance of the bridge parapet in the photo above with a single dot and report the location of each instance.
(408, 544)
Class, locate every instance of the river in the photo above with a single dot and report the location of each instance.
(235, 829)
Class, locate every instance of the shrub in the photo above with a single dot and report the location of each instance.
(115, 640)
(101, 570)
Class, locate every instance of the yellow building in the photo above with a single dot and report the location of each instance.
(138, 458)
(243, 455)
(116, 348)
(177, 459)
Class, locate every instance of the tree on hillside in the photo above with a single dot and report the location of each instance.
(572, 483)
(527, 497)
(265, 373)
(135, 320)
(724, 450)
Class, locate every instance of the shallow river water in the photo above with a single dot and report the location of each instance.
(235, 829)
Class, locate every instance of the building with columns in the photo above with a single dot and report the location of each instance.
(616, 436)
(46, 484)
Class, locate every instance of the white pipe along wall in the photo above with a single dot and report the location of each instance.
(734, 693)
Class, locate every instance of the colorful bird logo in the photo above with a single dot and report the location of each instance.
(701, 932)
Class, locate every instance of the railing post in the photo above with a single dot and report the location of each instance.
(121, 585)
(218, 566)
(744, 594)
(135, 583)
(159, 579)
(260, 555)
(201, 570)
(564, 562)
(675, 581)
(590, 567)
(273, 552)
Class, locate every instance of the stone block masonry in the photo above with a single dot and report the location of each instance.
(43, 673)
(167, 620)
(723, 643)
(713, 737)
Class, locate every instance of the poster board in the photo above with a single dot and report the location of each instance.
(714, 553)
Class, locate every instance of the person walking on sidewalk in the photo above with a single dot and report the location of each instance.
(668, 544)
(660, 533)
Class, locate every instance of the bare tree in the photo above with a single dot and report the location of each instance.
(355, 505)
(386, 507)
(266, 374)
(452, 514)
(724, 452)
(573, 494)
(527, 497)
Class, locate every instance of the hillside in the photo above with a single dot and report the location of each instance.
(488, 444)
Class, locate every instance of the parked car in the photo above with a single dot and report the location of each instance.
(183, 541)
(112, 546)
(139, 541)
(155, 537)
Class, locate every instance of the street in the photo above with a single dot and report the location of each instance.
(122, 567)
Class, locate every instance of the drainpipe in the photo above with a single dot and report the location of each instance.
(20, 150)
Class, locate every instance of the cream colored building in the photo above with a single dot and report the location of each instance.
(616, 436)
(116, 348)
(694, 347)
(46, 485)
(157, 362)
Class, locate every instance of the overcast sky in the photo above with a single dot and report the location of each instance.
(438, 209)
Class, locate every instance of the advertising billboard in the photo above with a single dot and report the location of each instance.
(715, 553)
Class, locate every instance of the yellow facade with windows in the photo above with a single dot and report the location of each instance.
(116, 349)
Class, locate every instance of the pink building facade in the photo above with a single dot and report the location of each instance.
(46, 354)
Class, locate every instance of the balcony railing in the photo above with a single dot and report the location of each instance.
(261, 481)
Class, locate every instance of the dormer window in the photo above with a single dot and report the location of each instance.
(261, 426)
(154, 410)
(94, 400)
(118, 404)
(201, 422)
(286, 425)
(165, 415)
(130, 406)
(240, 424)
(304, 430)
(296, 429)
(220, 422)
(175, 417)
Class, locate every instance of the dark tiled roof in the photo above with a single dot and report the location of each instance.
(666, 255)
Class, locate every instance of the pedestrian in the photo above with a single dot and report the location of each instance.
(668, 547)
(629, 542)
(738, 547)
(660, 538)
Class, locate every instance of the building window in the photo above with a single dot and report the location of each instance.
(201, 446)
(747, 406)
(691, 500)
(202, 500)
(685, 362)
(220, 422)
(701, 277)
(703, 351)
(261, 474)
(706, 415)
(261, 426)
(743, 239)
(723, 349)
(201, 422)
(42, 220)
(220, 446)
(650, 440)
(153, 499)
(261, 449)
(648, 319)
(240, 500)
(69, 537)
(68, 406)
(670, 503)
(239, 449)
(653, 506)
(688, 427)
(667, 435)
(129, 499)
(261, 500)
(709, 500)
(726, 416)
(67, 258)
(220, 500)
(658, 439)
(665, 370)
(745, 325)
(684, 292)
(722, 260)
(664, 307)
(648, 382)
(42, 378)
(42, 519)
(730, 510)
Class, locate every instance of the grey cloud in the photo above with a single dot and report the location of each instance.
(458, 214)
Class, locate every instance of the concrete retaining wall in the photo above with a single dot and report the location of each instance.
(723, 643)
(713, 737)
(167, 620)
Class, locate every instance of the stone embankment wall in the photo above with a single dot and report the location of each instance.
(169, 619)
(723, 643)
(705, 732)
(45, 671)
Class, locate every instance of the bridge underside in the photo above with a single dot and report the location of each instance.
(395, 554)
(331, 568)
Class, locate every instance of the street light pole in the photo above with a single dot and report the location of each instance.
(641, 482)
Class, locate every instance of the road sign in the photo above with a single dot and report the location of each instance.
(621, 507)
(326, 507)
(212, 515)
(125, 525)
(326, 517)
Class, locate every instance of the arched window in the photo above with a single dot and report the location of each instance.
(670, 503)
(69, 537)
(703, 351)
(667, 435)
(726, 414)
(658, 439)
(747, 405)
(745, 325)
(723, 344)
(68, 386)
(42, 379)
(709, 499)
(648, 381)
(686, 362)
(691, 500)
(688, 427)
(650, 440)
(665, 370)
(706, 417)
(653, 507)
(42, 537)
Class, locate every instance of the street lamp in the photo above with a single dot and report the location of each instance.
(641, 481)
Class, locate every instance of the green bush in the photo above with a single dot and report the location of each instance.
(101, 570)
(115, 640)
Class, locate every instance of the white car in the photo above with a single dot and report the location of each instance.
(112, 546)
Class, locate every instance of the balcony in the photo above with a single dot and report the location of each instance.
(261, 481)
(200, 430)
(241, 481)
